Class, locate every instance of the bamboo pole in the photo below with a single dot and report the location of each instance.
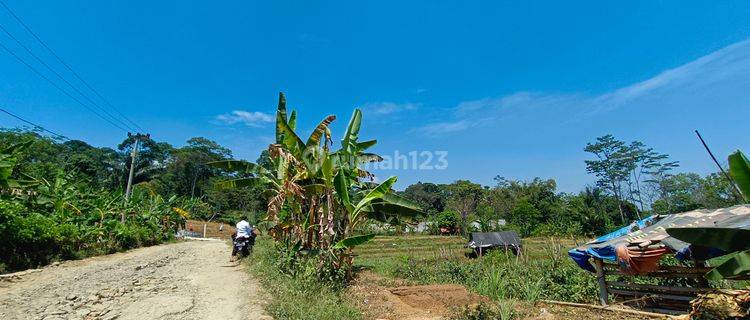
(613, 309)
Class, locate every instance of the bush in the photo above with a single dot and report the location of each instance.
(36, 234)
(292, 290)
(449, 219)
(503, 276)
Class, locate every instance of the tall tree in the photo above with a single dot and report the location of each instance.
(464, 196)
(612, 167)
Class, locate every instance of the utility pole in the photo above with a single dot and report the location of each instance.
(737, 193)
(133, 154)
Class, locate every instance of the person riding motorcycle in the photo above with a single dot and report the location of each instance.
(244, 232)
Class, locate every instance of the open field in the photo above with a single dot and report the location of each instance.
(435, 269)
(384, 251)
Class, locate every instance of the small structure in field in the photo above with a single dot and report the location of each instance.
(482, 242)
(636, 252)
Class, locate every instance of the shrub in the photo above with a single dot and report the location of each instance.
(501, 276)
(448, 219)
(292, 291)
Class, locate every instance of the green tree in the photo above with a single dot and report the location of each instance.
(430, 197)
(524, 217)
(464, 196)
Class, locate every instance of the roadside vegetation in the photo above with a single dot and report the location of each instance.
(301, 296)
(64, 199)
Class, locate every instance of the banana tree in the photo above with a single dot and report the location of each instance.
(8, 161)
(729, 239)
(318, 196)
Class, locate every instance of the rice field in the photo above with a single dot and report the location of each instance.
(382, 252)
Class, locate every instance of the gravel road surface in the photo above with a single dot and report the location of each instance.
(184, 280)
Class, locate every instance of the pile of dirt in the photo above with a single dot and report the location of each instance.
(378, 301)
(382, 298)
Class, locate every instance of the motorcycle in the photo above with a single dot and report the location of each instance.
(243, 246)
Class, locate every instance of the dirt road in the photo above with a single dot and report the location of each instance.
(185, 280)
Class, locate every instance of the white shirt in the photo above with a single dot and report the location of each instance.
(244, 229)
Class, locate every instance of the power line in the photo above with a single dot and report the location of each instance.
(62, 78)
(58, 87)
(34, 124)
(67, 66)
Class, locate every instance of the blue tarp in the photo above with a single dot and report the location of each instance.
(581, 257)
(651, 233)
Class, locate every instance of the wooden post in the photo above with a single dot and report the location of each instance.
(204, 230)
(702, 281)
(603, 292)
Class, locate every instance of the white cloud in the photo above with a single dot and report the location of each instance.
(384, 108)
(249, 118)
(709, 69)
(445, 127)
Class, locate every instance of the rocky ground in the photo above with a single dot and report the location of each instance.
(184, 280)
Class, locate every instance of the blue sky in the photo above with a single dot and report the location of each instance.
(506, 88)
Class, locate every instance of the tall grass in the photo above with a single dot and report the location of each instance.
(541, 271)
(302, 296)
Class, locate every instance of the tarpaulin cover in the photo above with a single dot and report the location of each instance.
(651, 239)
(494, 239)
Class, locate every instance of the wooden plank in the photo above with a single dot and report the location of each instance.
(656, 295)
(685, 269)
(668, 289)
(612, 266)
(666, 311)
(658, 275)
(613, 309)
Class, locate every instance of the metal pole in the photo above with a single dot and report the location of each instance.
(737, 194)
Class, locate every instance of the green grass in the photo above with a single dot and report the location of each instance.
(296, 297)
(542, 271)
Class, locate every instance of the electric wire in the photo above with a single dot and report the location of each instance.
(33, 124)
(63, 79)
(67, 66)
(58, 87)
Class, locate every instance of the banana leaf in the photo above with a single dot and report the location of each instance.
(739, 169)
(352, 131)
(280, 116)
(364, 145)
(378, 193)
(239, 183)
(8, 162)
(313, 189)
(327, 170)
(293, 120)
(352, 242)
(320, 130)
(402, 202)
(393, 207)
(369, 157)
(236, 166)
(341, 184)
(288, 137)
(18, 147)
(727, 239)
(388, 212)
(737, 265)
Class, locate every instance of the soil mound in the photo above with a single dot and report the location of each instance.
(380, 301)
